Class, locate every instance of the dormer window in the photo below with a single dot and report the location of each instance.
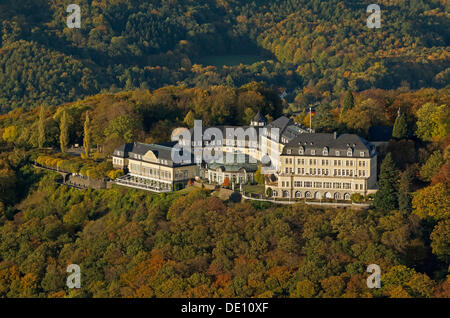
(361, 153)
(300, 151)
(325, 151)
(349, 152)
(289, 151)
(337, 153)
(313, 152)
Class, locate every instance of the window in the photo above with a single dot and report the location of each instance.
(300, 151)
(325, 151)
(313, 152)
(361, 153)
(337, 153)
(349, 152)
(289, 151)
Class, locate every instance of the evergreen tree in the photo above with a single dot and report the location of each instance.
(387, 196)
(41, 127)
(64, 132)
(349, 102)
(87, 136)
(404, 189)
(400, 130)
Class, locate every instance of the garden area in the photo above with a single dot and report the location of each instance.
(95, 169)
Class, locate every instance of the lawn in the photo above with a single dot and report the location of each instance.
(257, 189)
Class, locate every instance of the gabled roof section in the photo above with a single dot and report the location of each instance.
(138, 150)
(319, 142)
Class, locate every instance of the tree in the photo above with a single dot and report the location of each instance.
(386, 196)
(442, 176)
(226, 182)
(87, 136)
(10, 134)
(405, 185)
(41, 127)
(123, 128)
(432, 202)
(432, 166)
(400, 130)
(348, 103)
(64, 132)
(304, 289)
(259, 178)
(440, 240)
(189, 119)
(433, 121)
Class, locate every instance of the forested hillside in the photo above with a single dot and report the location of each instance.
(316, 49)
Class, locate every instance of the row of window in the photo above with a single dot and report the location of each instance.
(325, 152)
(181, 174)
(315, 195)
(325, 162)
(150, 172)
(325, 185)
(117, 161)
(325, 172)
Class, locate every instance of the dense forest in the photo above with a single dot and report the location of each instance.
(136, 70)
(314, 49)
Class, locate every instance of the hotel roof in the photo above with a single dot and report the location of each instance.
(317, 143)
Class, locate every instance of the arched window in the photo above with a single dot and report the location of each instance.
(337, 196)
(298, 194)
(317, 195)
(308, 195)
(347, 196)
(285, 194)
(301, 151)
(325, 151)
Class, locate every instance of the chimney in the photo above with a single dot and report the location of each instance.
(335, 135)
